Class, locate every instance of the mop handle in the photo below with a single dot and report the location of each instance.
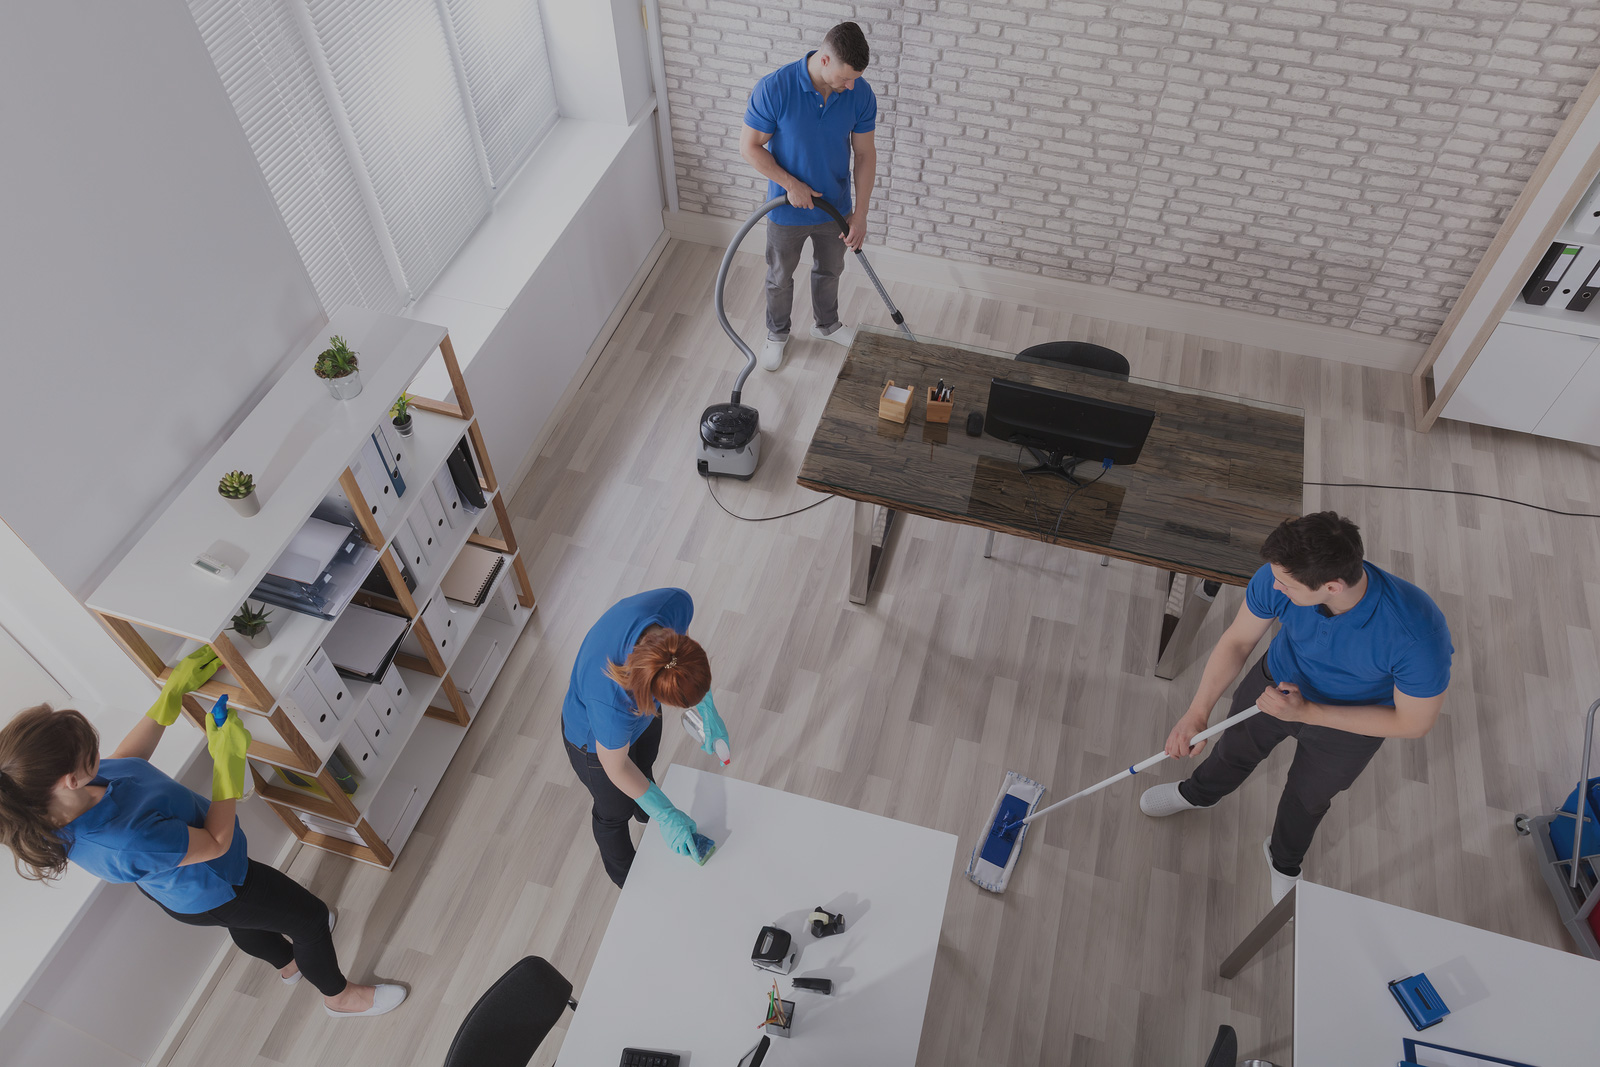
(1203, 735)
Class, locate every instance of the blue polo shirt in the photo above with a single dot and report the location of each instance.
(1394, 638)
(810, 138)
(596, 708)
(139, 832)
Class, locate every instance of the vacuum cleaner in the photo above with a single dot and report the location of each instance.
(730, 434)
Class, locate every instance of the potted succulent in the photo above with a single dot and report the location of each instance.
(251, 624)
(337, 366)
(401, 413)
(239, 489)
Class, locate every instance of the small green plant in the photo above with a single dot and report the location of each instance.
(336, 361)
(249, 621)
(236, 485)
(402, 408)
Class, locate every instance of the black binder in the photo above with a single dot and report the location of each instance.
(1541, 286)
(1586, 292)
(465, 475)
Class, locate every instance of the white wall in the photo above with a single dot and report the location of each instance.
(598, 59)
(150, 292)
(149, 286)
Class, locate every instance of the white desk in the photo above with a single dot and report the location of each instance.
(1507, 998)
(674, 973)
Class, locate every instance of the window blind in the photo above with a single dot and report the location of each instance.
(508, 77)
(367, 125)
(268, 73)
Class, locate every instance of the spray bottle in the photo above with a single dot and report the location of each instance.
(697, 730)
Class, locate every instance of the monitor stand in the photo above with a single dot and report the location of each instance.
(1057, 463)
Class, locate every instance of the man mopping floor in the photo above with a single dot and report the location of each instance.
(1362, 656)
(804, 122)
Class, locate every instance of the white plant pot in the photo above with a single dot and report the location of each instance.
(260, 639)
(347, 387)
(245, 505)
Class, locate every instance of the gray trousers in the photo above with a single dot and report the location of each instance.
(827, 263)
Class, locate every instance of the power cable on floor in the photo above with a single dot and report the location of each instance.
(1458, 492)
(763, 518)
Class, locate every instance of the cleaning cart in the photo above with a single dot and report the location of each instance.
(1568, 845)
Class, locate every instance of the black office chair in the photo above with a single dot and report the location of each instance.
(1225, 1051)
(505, 1026)
(1077, 354)
(1072, 354)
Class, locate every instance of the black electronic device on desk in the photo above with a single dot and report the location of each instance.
(643, 1057)
(1062, 430)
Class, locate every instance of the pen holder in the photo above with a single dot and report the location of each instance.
(939, 410)
(788, 1013)
(893, 407)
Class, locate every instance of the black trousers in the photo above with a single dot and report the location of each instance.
(1326, 763)
(612, 807)
(275, 918)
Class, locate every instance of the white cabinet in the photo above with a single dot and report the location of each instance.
(1575, 415)
(1519, 376)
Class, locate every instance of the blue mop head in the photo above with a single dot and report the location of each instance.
(1002, 836)
(995, 853)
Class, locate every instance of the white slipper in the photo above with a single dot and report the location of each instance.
(771, 357)
(386, 998)
(333, 919)
(839, 335)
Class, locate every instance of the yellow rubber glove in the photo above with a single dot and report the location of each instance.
(228, 744)
(192, 671)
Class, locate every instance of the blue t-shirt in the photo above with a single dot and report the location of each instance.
(810, 137)
(139, 832)
(1394, 638)
(596, 708)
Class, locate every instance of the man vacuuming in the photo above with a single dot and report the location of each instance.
(1362, 655)
(804, 122)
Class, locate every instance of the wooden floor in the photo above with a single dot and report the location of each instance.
(1105, 949)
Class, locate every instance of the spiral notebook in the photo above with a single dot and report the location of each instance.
(470, 576)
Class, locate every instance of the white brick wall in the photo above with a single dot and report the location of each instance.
(1331, 161)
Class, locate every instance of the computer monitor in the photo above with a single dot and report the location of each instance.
(1063, 429)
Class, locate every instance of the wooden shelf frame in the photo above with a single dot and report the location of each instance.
(251, 695)
(1566, 171)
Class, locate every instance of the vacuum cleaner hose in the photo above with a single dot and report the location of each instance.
(727, 259)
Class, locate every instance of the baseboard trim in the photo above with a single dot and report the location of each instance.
(601, 339)
(1102, 301)
(184, 1022)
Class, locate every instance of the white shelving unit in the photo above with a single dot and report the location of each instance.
(396, 735)
(1500, 361)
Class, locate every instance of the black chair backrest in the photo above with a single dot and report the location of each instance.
(506, 1025)
(1226, 1049)
(1077, 354)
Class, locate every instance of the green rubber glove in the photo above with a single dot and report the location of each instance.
(192, 671)
(676, 828)
(228, 744)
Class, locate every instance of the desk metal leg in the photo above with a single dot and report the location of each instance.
(868, 542)
(1257, 939)
(1178, 632)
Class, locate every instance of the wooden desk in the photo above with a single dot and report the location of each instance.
(1519, 1001)
(673, 971)
(1217, 473)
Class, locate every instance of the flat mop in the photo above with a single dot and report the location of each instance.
(995, 855)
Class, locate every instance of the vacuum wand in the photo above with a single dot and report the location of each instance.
(883, 294)
(1206, 734)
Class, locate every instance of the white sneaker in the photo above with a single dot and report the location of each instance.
(386, 997)
(333, 919)
(1160, 801)
(840, 335)
(772, 354)
(1281, 883)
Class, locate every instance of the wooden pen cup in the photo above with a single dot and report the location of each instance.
(939, 410)
(891, 409)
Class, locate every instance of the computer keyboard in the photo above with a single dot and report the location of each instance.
(643, 1057)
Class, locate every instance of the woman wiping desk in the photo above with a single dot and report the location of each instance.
(634, 659)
